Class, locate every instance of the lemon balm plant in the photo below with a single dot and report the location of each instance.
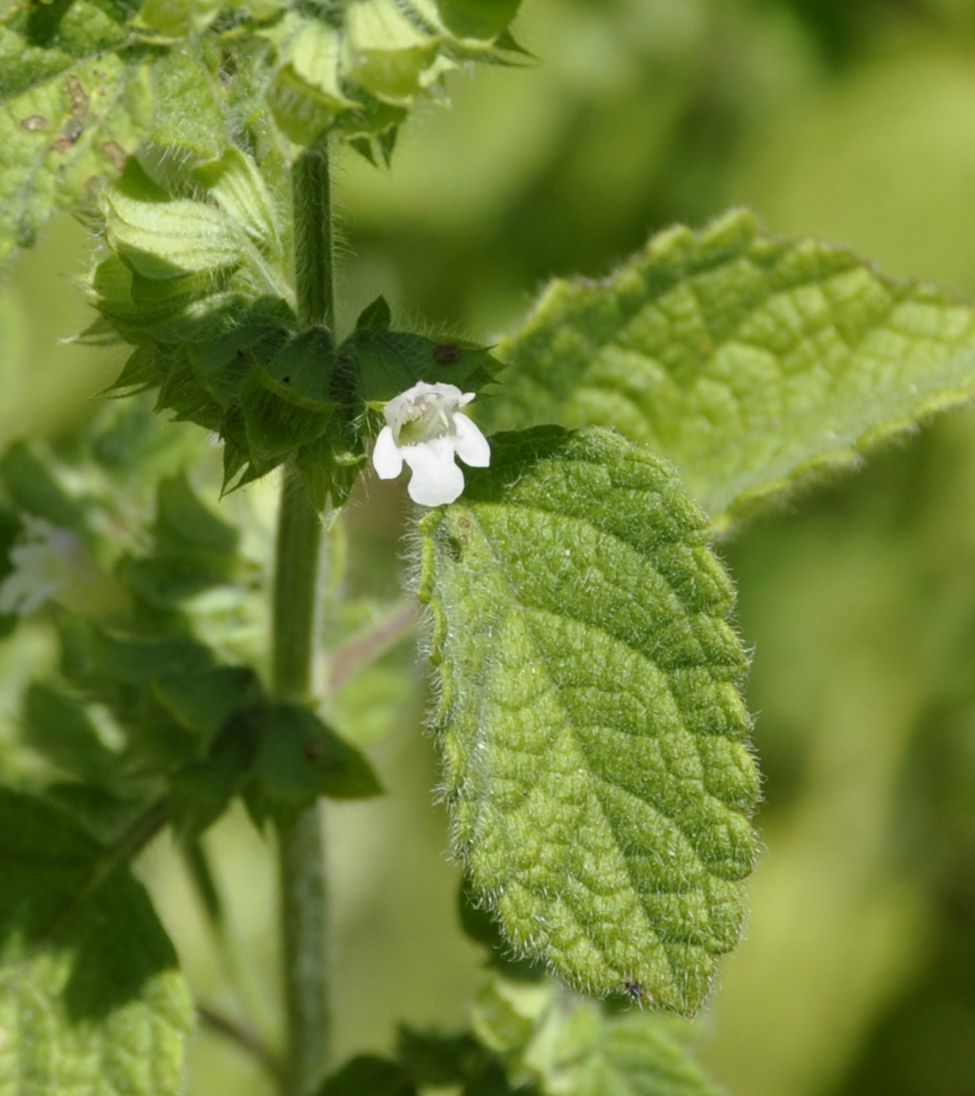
(568, 483)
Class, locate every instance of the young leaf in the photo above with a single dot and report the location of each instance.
(188, 125)
(237, 186)
(750, 362)
(595, 741)
(358, 67)
(162, 240)
(91, 999)
(573, 1047)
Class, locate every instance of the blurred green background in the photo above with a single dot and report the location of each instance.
(850, 121)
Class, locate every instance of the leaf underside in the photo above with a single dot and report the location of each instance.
(749, 361)
(596, 757)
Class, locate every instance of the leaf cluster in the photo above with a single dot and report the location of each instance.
(196, 279)
(537, 1040)
(143, 705)
(86, 86)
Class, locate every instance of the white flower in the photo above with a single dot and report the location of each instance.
(45, 559)
(426, 428)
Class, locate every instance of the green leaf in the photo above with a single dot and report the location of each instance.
(595, 740)
(188, 124)
(389, 362)
(375, 316)
(367, 1073)
(360, 67)
(193, 549)
(437, 1061)
(203, 789)
(237, 186)
(67, 735)
(307, 92)
(184, 524)
(298, 758)
(133, 676)
(175, 18)
(71, 110)
(33, 485)
(390, 48)
(202, 702)
(166, 239)
(749, 361)
(478, 18)
(640, 1055)
(91, 999)
(288, 404)
(483, 929)
(573, 1047)
(221, 364)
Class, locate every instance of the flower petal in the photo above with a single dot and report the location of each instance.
(387, 459)
(436, 478)
(470, 444)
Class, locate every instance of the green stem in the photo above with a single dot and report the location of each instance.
(295, 623)
(311, 196)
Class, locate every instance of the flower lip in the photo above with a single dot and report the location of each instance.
(426, 429)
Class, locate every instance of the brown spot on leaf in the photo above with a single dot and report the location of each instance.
(34, 123)
(447, 353)
(78, 96)
(73, 129)
(115, 154)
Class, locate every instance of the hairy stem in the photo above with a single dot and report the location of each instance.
(311, 196)
(295, 623)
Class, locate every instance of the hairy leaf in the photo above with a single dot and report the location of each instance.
(90, 996)
(596, 758)
(749, 361)
(70, 109)
(573, 1047)
(163, 240)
